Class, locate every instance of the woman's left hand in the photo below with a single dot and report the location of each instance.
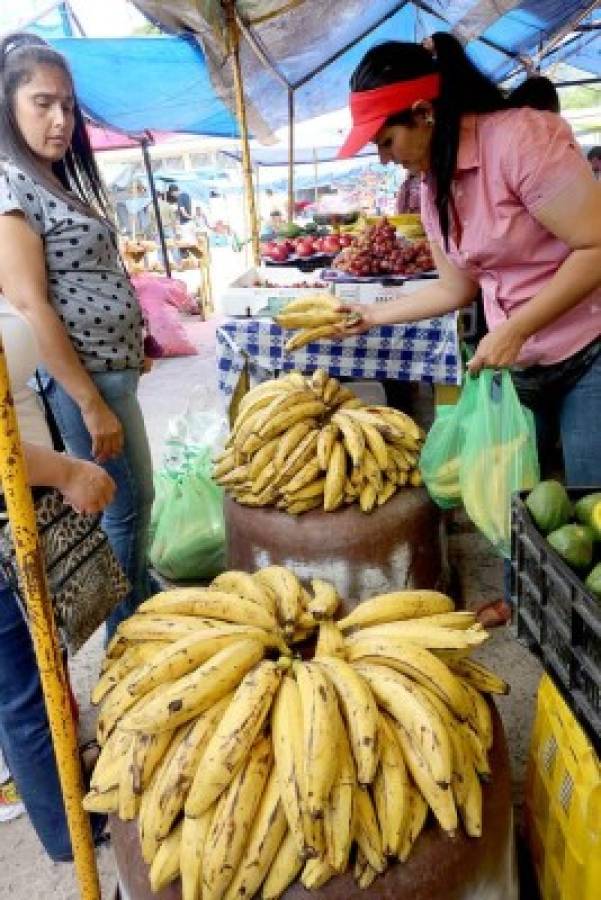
(499, 349)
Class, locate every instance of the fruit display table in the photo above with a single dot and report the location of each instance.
(459, 868)
(401, 544)
(426, 351)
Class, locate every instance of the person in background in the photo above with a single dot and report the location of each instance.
(168, 216)
(408, 197)
(536, 92)
(509, 205)
(594, 158)
(60, 269)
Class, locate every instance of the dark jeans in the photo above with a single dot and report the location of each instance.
(566, 401)
(25, 733)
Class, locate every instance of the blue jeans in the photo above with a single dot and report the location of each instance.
(566, 400)
(25, 733)
(126, 520)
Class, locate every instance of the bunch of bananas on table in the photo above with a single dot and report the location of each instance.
(302, 442)
(247, 766)
(315, 317)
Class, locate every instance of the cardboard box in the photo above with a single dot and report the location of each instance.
(244, 297)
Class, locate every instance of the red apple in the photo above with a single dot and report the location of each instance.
(331, 244)
(279, 253)
(304, 248)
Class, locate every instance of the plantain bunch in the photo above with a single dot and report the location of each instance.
(314, 318)
(307, 442)
(247, 767)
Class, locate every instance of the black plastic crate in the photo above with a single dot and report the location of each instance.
(557, 618)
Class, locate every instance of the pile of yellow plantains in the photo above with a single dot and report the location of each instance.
(247, 767)
(299, 443)
(315, 317)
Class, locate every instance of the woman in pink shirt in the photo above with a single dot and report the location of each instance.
(510, 206)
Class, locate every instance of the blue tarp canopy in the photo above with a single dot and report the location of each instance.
(149, 83)
(315, 46)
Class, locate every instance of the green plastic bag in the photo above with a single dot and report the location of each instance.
(481, 452)
(187, 528)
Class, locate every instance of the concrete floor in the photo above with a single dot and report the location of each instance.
(26, 873)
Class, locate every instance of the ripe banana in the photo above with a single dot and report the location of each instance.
(308, 318)
(134, 656)
(432, 637)
(286, 588)
(185, 698)
(363, 873)
(299, 457)
(288, 442)
(234, 736)
(165, 866)
(428, 734)
(338, 810)
(308, 335)
(194, 835)
(285, 867)
(185, 655)
(418, 664)
(329, 640)
(262, 458)
(173, 784)
(243, 585)
(325, 444)
(212, 603)
(479, 676)
(439, 799)
(414, 821)
(320, 716)
(316, 873)
(282, 421)
(335, 478)
(479, 717)
(128, 802)
(353, 437)
(232, 821)
(395, 607)
(267, 833)
(160, 626)
(360, 712)
(366, 830)
(287, 736)
(390, 788)
(324, 602)
(367, 498)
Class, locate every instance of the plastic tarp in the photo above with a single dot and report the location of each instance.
(148, 83)
(300, 37)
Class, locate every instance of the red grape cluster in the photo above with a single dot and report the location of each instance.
(378, 251)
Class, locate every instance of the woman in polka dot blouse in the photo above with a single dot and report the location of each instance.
(60, 268)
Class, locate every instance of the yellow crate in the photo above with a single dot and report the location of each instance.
(563, 802)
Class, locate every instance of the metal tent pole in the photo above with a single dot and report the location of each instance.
(234, 47)
(155, 205)
(290, 154)
(21, 514)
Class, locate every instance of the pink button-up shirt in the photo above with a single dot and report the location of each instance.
(509, 165)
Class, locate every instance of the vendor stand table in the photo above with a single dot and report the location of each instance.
(426, 351)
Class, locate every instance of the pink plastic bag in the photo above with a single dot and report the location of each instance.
(161, 317)
(172, 290)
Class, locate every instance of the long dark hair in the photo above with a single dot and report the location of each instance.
(463, 89)
(77, 172)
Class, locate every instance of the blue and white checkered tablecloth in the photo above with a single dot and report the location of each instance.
(424, 351)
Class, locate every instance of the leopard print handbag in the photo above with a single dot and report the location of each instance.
(84, 577)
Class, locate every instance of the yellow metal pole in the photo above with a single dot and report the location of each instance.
(234, 47)
(21, 514)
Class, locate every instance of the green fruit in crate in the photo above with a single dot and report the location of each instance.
(593, 581)
(574, 543)
(586, 508)
(549, 506)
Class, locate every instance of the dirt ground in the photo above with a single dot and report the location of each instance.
(26, 873)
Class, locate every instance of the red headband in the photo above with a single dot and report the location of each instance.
(370, 109)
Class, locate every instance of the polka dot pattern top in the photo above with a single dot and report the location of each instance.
(87, 286)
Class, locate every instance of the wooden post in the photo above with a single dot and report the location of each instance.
(290, 154)
(155, 206)
(234, 47)
(21, 514)
(316, 187)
